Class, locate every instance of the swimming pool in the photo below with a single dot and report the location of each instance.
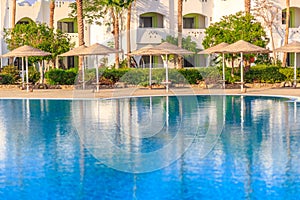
(187, 147)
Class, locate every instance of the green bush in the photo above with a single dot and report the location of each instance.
(61, 77)
(6, 79)
(136, 77)
(193, 76)
(288, 72)
(12, 71)
(264, 74)
(114, 75)
(33, 75)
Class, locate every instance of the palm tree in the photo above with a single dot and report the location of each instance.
(247, 6)
(180, 59)
(287, 26)
(13, 14)
(80, 28)
(13, 22)
(116, 33)
(52, 7)
(128, 24)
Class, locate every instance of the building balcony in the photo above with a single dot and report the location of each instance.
(74, 38)
(151, 35)
(197, 36)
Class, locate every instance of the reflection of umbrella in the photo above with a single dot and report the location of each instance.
(241, 47)
(166, 48)
(289, 48)
(26, 51)
(146, 50)
(219, 48)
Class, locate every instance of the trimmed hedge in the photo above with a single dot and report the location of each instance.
(61, 77)
(6, 79)
(264, 74)
(259, 73)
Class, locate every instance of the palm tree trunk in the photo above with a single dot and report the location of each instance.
(273, 46)
(287, 26)
(180, 58)
(13, 14)
(80, 29)
(115, 18)
(13, 23)
(52, 7)
(247, 6)
(128, 23)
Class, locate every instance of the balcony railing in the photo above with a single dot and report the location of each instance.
(197, 35)
(151, 35)
(74, 38)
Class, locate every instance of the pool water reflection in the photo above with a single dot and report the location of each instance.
(224, 147)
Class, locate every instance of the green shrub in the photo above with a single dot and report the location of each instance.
(33, 75)
(193, 76)
(12, 71)
(6, 79)
(288, 72)
(61, 77)
(136, 77)
(114, 75)
(264, 74)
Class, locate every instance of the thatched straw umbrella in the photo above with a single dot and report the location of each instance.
(219, 48)
(26, 51)
(97, 49)
(293, 47)
(166, 48)
(76, 52)
(242, 47)
(146, 50)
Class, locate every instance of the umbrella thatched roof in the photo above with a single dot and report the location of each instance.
(98, 49)
(167, 48)
(146, 50)
(219, 48)
(74, 52)
(161, 49)
(291, 47)
(25, 51)
(242, 46)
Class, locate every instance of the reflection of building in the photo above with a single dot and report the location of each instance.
(151, 22)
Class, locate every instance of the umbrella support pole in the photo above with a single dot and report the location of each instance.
(167, 74)
(295, 71)
(242, 73)
(27, 82)
(150, 73)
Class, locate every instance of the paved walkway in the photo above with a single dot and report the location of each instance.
(125, 92)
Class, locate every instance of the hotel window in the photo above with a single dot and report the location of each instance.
(146, 22)
(284, 18)
(188, 22)
(66, 27)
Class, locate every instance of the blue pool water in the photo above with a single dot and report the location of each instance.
(204, 147)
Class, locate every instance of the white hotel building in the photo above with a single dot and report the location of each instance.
(152, 20)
